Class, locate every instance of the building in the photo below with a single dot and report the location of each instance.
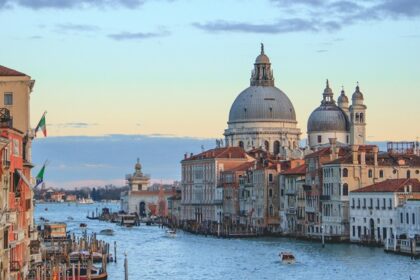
(329, 120)
(356, 168)
(263, 116)
(374, 210)
(202, 190)
(140, 199)
(292, 200)
(17, 229)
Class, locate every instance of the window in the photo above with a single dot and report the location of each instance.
(413, 219)
(371, 203)
(276, 148)
(408, 173)
(358, 203)
(390, 221)
(354, 231)
(390, 203)
(270, 177)
(8, 98)
(377, 203)
(352, 203)
(384, 204)
(346, 190)
(364, 203)
(381, 173)
(401, 218)
(345, 172)
(241, 144)
(267, 146)
(270, 193)
(370, 173)
(406, 218)
(319, 138)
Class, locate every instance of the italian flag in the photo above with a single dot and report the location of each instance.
(40, 176)
(42, 125)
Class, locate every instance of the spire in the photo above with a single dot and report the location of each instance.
(328, 94)
(262, 75)
(342, 99)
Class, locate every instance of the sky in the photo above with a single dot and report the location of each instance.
(174, 67)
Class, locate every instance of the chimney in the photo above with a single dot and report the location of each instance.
(333, 144)
(354, 149)
(363, 158)
(375, 155)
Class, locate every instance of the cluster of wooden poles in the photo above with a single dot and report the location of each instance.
(64, 259)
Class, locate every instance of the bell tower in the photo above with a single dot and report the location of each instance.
(357, 118)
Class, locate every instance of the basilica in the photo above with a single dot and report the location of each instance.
(262, 116)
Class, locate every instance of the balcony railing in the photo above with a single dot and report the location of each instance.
(14, 266)
(325, 197)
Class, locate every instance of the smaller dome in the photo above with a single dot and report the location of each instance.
(328, 118)
(357, 95)
(343, 97)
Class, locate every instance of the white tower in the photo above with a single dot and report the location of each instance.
(358, 118)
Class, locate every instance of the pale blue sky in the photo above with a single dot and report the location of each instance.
(175, 67)
(131, 66)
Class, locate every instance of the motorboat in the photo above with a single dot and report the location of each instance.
(70, 218)
(287, 258)
(127, 220)
(76, 256)
(171, 233)
(83, 225)
(107, 231)
(95, 273)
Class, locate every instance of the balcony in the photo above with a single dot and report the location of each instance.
(309, 209)
(290, 192)
(324, 197)
(14, 266)
(307, 188)
(291, 211)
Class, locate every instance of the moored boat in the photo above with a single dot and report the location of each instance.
(76, 256)
(127, 220)
(107, 231)
(171, 233)
(287, 258)
(95, 273)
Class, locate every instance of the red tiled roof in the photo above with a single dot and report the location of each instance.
(4, 71)
(299, 170)
(243, 167)
(392, 185)
(226, 152)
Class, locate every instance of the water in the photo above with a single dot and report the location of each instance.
(152, 255)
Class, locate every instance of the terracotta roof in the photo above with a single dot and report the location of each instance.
(242, 167)
(384, 159)
(392, 185)
(299, 170)
(4, 71)
(226, 152)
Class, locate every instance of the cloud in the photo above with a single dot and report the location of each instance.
(322, 51)
(73, 125)
(137, 35)
(76, 27)
(70, 4)
(282, 26)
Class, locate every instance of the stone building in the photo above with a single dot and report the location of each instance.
(263, 116)
(374, 209)
(202, 191)
(346, 124)
(140, 199)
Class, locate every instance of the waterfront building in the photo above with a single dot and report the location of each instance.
(262, 116)
(358, 167)
(374, 209)
(174, 208)
(230, 181)
(292, 200)
(329, 120)
(202, 191)
(17, 228)
(142, 200)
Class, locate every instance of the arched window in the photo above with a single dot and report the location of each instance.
(270, 193)
(276, 147)
(357, 117)
(361, 117)
(267, 146)
(345, 189)
(319, 138)
(345, 172)
(381, 173)
(241, 144)
(408, 173)
(370, 173)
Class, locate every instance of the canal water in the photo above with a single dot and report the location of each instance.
(152, 255)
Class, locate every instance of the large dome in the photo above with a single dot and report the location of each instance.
(262, 103)
(328, 118)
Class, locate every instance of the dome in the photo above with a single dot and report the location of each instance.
(262, 59)
(328, 118)
(262, 103)
(357, 95)
(343, 98)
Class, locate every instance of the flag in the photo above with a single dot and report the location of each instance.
(40, 177)
(42, 125)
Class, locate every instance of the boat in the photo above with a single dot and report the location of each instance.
(83, 225)
(107, 231)
(76, 256)
(127, 220)
(86, 201)
(70, 218)
(287, 258)
(95, 273)
(171, 233)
